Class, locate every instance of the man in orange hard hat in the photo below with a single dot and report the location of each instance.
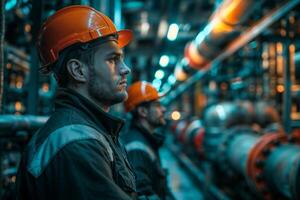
(142, 142)
(76, 154)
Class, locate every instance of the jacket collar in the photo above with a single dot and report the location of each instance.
(68, 98)
(155, 139)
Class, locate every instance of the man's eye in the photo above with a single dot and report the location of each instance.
(114, 60)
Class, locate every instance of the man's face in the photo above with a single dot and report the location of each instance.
(156, 114)
(107, 77)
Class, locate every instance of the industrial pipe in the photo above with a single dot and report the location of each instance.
(217, 119)
(231, 48)
(192, 136)
(221, 28)
(272, 166)
(270, 163)
(12, 123)
(235, 148)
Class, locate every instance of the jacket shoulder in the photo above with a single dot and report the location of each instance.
(138, 146)
(40, 156)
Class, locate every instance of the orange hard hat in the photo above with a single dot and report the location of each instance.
(138, 93)
(75, 24)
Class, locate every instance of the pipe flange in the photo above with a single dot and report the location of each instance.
(198, 141)
(256, 160)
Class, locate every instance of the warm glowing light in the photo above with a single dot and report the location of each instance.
(19, 84)
(180, 75)
(27, 28)
(45, 87)
(8, 65)
(280, 88)
(175, 115)
(279, 47)
(18, 106)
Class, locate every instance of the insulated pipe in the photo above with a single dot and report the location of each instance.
(11, 123)
(234, 149)
(270, 163)
(273, 166)
(239, 149)
(193, 126)
(221, 29)
(279, 168)
(193, 136)
(217, 119)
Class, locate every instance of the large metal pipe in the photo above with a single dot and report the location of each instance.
(11, 123)
(279, 168)
(217, 119)
(220, 29)
(270, 162)
(192, 136)
(239, 149)
(236, 44)
(271, 166)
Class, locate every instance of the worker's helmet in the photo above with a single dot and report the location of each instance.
(140, 92)
(71, 25)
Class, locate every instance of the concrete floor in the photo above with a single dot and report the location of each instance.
(178, 180)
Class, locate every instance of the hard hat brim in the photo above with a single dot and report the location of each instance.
(124, 37)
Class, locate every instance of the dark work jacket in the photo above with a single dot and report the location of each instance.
(142, 148)
(76, 155)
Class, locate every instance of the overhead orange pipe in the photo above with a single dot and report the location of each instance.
(220, 29)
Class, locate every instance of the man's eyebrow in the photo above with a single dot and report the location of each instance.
(120, 54)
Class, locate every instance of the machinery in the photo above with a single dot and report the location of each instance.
(253, 163)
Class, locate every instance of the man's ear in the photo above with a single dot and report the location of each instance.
(142, 111)
(77, 70)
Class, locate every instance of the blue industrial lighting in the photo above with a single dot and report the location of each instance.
(156, 83)
(159, 74)
(25, 10)
(164, 60)
(172, 79)
(172, 32)
(166, 87)
(133, 5)
(10, 4)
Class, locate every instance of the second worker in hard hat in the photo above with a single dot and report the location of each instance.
(142, 142)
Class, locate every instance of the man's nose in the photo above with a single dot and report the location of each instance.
(124, 69)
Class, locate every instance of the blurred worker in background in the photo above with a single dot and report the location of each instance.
(142, 142)
(77, 155)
